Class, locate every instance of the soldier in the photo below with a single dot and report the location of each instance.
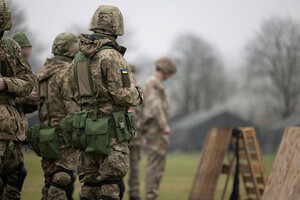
(59, 173)
(106, 90)
(16, 80)
(156, 125)
(135, 152)
(28, 104)
(24, 43)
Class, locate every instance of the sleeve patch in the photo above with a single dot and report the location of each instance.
(124, 71)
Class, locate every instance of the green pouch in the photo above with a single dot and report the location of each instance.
(68, 124)
(97, 135)
(131, 123)
(78, 135)
(121, 126)
(32, 137)
(49, 144)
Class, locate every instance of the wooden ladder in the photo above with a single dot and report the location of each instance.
(218, 158)
(250, 164)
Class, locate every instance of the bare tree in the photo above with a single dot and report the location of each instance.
(200, 82)
(273, 65)
(20, 25)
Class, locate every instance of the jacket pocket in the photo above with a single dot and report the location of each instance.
(8, 120)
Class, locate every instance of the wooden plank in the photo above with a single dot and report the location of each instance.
(211, 163)
(284, 179)
(243, 155)
(249, 179)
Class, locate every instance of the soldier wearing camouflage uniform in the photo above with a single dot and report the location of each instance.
(135, 152)
(16, 80)
(59, 174)
(115, 90)
(28, 104)
(156, 125)
(24, 43)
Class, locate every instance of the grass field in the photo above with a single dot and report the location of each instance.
(176, 184)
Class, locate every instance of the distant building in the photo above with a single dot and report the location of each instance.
(189, 133)
(276, 131)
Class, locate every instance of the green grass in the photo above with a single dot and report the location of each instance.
(176, 183)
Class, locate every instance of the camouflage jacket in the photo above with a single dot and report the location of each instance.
(156, 104)
(112, 93)
(54, 72)
(138, 112)
(20, 81)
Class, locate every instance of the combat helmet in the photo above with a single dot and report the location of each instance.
(22, 40)
(65, 44)
(107, 20)
(5, 17)
(166, 65)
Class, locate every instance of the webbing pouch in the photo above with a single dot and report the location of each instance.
(32, 137)
(121, 126)
(49, 144)
(67, 129)
(131, 123)
(97, 135)
(78, 135)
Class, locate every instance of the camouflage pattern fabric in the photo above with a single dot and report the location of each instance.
(68, 161)
(20, 81)
(65, 44)
(107, 20)
(135, 155)
(54, 71)
(134, 178)
(156, 119)
(112, 95)
(156, 105)
(166, 65)
(9, 162)
(5, 17)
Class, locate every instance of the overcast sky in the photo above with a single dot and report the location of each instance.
(156, 23)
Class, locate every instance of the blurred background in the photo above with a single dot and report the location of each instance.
(238, 60)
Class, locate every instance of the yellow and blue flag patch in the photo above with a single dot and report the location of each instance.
(124, 71)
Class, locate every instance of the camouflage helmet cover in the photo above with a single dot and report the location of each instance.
(5, 17)
(107, 20)
(166, 65)
(65, 44)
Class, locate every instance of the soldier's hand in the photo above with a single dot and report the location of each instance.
(3, 85)
(32, 99)
(167, 131)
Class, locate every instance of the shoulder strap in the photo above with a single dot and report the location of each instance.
(47, 101)
(80, 58)
(106, 47)
(9, 45)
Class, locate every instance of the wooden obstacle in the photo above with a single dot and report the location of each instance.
(212, 164)
(284, 179)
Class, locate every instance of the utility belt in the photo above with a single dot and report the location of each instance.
(82, 131)
(7, 101)
(92, 134)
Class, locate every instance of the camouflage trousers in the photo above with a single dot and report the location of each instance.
(102, 175)
(60, 175)
(157, 147)
(11, 156)
(134, 180)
